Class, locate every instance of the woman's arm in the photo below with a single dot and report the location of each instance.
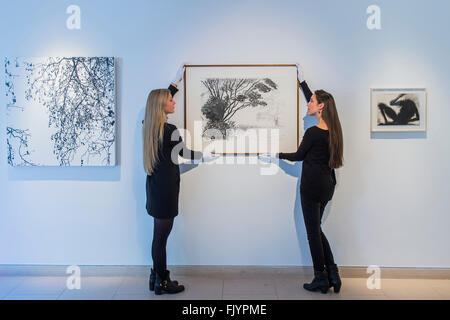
(307, 138)
(302, 150)
(173, 89)
(180, 147)
(178, 77)
(306, 91)
(190, 154)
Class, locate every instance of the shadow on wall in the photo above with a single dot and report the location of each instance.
(63, 173)
(295, 170)
(145, 222)
(398, 135)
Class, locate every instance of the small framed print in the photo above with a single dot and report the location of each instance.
(398, 110)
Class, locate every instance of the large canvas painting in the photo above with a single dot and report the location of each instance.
(398, 110)
(60, 111)
(249, 109)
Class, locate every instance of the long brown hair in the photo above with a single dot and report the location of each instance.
(153, 129)
(331, 118)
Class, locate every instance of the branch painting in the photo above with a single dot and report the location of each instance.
(60, 111)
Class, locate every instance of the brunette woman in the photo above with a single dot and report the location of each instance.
(321, 151)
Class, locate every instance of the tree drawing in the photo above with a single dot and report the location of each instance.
(79, 95)
(228, 96)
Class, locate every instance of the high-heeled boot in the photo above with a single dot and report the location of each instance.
(151, 282)
(320, 282)
(165, 285)
(333, 277)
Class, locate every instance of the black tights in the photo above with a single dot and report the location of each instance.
(318, 244)
(161, 231)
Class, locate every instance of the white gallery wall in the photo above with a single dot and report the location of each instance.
(391, 205)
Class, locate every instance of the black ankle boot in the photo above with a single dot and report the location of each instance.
(165, 285)
(320, 282)
(333, 277)
(151, 282)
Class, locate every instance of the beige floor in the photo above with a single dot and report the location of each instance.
(104, 284)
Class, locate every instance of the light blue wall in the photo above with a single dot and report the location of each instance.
(391, 205)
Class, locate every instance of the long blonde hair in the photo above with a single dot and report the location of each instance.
(153, 128)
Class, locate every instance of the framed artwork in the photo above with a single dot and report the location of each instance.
(398, 110)
(242, 109)
(60, 111)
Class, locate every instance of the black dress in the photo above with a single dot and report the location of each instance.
(318, 179)
(163, 185)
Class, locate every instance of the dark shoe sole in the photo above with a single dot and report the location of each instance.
(324, 290)
(336, 288)
(159, 291)
(151, 285)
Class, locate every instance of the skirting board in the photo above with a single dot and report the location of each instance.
(300, 271)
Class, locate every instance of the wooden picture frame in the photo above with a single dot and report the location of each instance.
(236, 101)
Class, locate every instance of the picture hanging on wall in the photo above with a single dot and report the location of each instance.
(398, 110)
(242, 109)
(60, 111)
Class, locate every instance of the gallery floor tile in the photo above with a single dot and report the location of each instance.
(132, 284)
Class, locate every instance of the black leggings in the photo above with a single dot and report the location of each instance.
(161, 231)
(318, 244)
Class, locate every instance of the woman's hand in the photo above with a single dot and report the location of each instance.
(179, 75)
(299, 73)
(269, 155)
(210, 156)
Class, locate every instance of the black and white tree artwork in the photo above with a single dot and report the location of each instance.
(60, 111)
(226, 99)
(242, 109)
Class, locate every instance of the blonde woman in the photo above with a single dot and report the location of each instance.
(163, 178)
